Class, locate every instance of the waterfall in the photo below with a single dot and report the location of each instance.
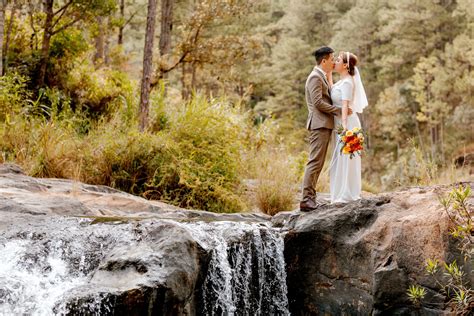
(246, 273)
(40, 263)
(38, 267)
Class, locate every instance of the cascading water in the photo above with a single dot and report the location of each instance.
(246, 273)
(37, 268)
(40, 265)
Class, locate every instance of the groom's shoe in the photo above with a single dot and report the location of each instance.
(308, 206)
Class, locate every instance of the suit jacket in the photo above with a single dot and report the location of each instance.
(321, 112)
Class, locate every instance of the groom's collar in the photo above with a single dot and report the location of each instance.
(322, 71)
(325, 76)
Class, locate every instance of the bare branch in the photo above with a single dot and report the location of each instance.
(133, 15)
(63, 8)
(162, 71)
(65, 26)
(62, 11)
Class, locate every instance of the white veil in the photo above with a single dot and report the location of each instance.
(359, 102)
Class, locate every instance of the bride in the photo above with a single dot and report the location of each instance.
(348, 92)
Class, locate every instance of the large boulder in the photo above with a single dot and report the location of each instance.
(70, 248)
(360, 258)
(156, 273)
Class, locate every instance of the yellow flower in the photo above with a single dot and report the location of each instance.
(343, 138)
(356, 129)
(349, 133)
(346, 150)
(360, 136)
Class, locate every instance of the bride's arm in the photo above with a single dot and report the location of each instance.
(345, 113)
(346, 97)
(330, 81)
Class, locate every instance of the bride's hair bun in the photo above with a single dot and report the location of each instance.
(353, 60)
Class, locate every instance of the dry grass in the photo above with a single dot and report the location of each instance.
(193, 163)
(276, 183)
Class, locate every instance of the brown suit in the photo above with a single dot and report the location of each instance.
(320, 123)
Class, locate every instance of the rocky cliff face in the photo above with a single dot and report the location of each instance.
(360, 258)
(72, 248)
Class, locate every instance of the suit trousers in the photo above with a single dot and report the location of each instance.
(318, 146)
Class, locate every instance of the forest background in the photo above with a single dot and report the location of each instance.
(200, 103)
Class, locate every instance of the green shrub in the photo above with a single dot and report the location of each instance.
(100, 90)
(13, 95)
(205, 143)
(68, 44)
(190, 157)
(159, 118)
(124, 160)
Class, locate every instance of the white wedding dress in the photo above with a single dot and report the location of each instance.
(344, 173)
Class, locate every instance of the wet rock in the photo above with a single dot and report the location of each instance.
(156, 275)
(74, 249)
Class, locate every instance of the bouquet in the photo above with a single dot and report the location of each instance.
(352, 141)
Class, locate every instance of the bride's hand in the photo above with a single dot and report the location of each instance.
(329, 78)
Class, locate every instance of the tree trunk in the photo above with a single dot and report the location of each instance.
(8, 36)
(122, 17)
(107, 42)
(433, 142)
(147, 64)
(166, 27)
(48, 10)
(34, 33)
(183, 81)
(3, 7)
(193, 76)
(441, 140)
(99, 56)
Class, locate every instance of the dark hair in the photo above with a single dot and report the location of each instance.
(322, 53)
(353, 60)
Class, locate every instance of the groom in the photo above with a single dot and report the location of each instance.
(320, 123)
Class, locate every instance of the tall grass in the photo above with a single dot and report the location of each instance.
(272, 169)
(415, 167)
(193, 160)
(277, 184)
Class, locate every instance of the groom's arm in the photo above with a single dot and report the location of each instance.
(316, 94)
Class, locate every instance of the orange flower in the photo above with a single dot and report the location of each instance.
(351, 141)
(349, 138)
(354, 141)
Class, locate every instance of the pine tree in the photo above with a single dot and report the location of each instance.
(147, 65)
